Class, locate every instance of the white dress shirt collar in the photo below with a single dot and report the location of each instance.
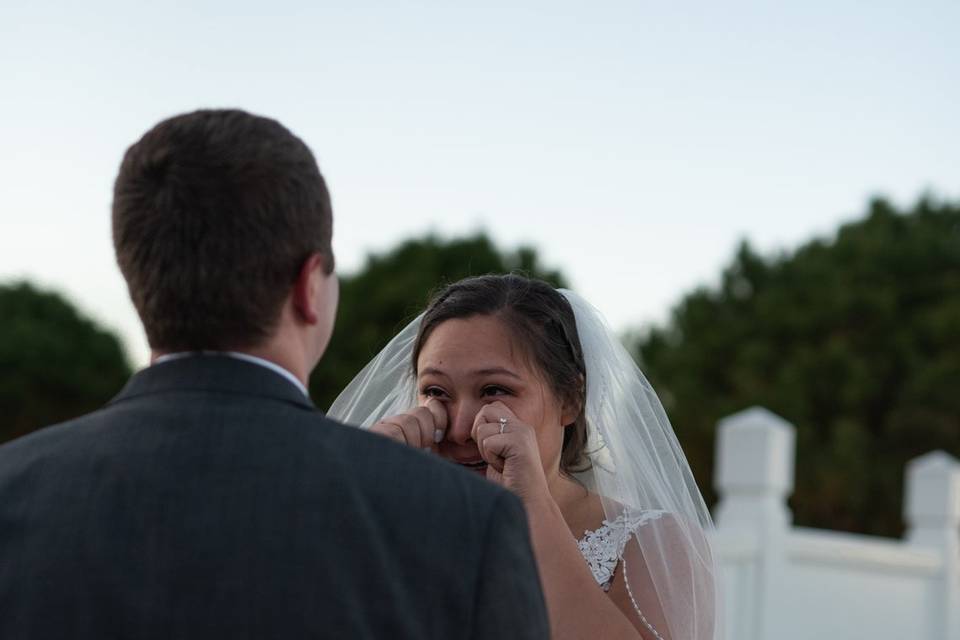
(167, 357)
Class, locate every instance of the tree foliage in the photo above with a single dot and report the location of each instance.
(855, 339)
(55, 364)
(393, 287)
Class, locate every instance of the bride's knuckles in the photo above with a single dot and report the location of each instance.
(492, 412)
(390, 430)
(408, 427)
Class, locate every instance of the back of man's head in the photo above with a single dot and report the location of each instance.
(214, 214)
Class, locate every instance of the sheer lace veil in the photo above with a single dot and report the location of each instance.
(636, 466)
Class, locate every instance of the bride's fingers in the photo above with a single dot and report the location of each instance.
(494, 446)
(426, 426)
(492, 413)
(390, 428)
(415, 428)
(403, 428)
(439, 413)
(498, 441)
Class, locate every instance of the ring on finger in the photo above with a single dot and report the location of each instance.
(503, 423)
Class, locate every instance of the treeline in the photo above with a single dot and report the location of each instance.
(853, 338)
(55, 363)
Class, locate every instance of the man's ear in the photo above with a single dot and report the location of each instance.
(308, 288)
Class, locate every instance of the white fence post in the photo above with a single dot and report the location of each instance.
(789, 583)
(754, 477)
(932, 512)
(754, 474)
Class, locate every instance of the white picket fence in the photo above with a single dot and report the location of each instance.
(789, 583)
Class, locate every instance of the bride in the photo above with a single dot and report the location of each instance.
(528, 387)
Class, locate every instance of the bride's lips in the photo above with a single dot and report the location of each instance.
(477, 465)
(470, 463)
(465, 455)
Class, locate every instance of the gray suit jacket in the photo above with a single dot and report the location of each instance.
(210, 499)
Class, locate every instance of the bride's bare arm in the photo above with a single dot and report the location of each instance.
(577, 606)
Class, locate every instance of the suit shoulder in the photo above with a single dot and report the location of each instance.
(408, 471)
(30, 454)
(50, 436)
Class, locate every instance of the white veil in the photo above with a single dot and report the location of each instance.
(638, 467)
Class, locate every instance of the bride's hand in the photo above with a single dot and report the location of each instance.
(509, 446)
(421, 427)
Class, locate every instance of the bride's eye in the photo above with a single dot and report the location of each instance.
(433, 392)
(495, 390)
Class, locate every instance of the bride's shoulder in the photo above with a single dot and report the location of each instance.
(602, 547)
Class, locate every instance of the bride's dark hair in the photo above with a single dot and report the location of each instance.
(542, 319)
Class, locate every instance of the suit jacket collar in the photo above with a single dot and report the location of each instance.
(217, 373)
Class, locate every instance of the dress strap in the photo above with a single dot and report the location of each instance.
(603, 547)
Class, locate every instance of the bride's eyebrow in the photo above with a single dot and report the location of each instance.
(495, 371)
(490, 371)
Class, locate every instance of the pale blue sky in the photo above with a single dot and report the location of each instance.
(633, 143)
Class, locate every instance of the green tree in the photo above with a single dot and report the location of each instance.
(55, 364)
(854, 339)
(392, 288)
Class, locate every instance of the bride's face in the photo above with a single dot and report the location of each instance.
(467, 363)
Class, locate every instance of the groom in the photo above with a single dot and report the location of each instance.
(210, 498)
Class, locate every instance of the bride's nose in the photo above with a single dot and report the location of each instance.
(461, 417)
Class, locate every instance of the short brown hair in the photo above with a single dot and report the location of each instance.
(542, 319)
(214, 214)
